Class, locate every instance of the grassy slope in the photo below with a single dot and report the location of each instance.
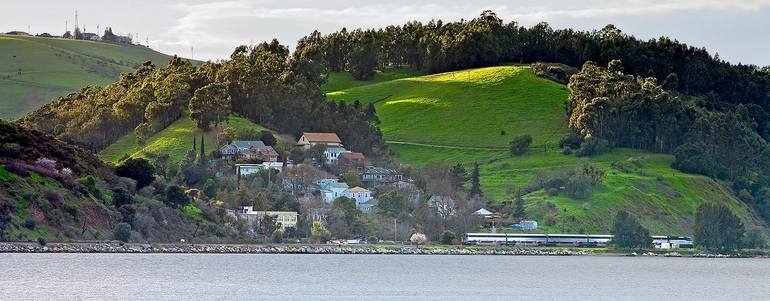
(36, 70)
(456, 117)
(337, 81)
(467, 108)
(175, 140)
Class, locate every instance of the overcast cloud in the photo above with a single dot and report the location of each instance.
(738, 30)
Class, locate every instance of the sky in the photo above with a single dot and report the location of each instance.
(739, 31)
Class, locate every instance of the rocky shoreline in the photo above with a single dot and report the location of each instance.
(275, 249)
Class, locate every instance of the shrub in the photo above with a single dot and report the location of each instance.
(277, 236)
(448, 237)
(17, 168)
(54, 198)
(30, 223)
(593, 147)
(122, 232)
(552, 191)
(121, 197)
(138, 169)
(46, 163)
(579, 186)
(567, 150)
(550, 219)
(571, 140)
(42, 241)
(175, 196)
(520, 145)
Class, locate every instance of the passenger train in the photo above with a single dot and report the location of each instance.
(564, 240)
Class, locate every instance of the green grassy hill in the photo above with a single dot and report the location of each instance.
(471, 116)
(175, 140)
(479, 108)
(34, 71)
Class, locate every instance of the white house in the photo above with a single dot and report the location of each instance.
(359, 194)
(286, 219)
(333, 191)
(247, 169)
(332, 153)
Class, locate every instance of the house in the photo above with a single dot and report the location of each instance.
(408, 190)
(374, 176)
(444, 206)
(525, 225)
(368, 206)
(91, 36)
(247, 169)
(488, 218)
(331, 189)
(361, 195)
(240, 150)
(312, 139)
(332, 153)
(352, 161)
(284, 219)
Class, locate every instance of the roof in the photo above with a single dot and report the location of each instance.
(333, 149)
(483, 211)
(379, 170)
(358, 189)
(352, 156)
(248, 144)
(322, 137)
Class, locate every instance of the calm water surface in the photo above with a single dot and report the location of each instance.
(377, 277)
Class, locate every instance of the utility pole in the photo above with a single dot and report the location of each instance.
(395, 230)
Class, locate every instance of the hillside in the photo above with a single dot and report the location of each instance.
(175, 140)
(34, 70)
(478, 108)
(457, 117)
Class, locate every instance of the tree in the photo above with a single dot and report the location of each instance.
(628, 233)
(475, 191)
(138, 169)
(518, 211)
(459, 175)
(122, 232)
(121, 197)
(391, 204)
(202, 161)
(318, 232)
(352, 179)
(175, 196)
(717, 228)
(520, 145)
(348, 207)
(277, 236)
(78, 35)
(210, 105)
(268, 138)
(143, 132)
(418, 238)
(210, 188)
(448, 237)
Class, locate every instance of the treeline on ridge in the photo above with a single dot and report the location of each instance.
(487, 41)
(263, 83)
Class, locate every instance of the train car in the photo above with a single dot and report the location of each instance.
(535, 240)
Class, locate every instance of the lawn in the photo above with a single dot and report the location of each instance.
(36, 70)
(482, 108)
(175, 140)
